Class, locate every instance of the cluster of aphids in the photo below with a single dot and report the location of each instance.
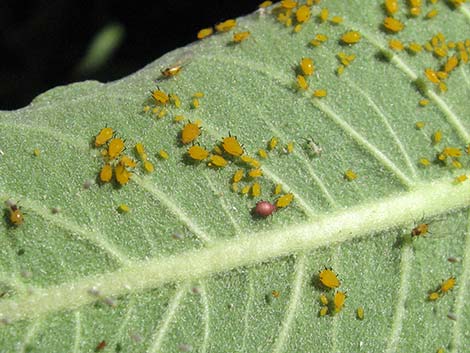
(116, 164)
(334, 303)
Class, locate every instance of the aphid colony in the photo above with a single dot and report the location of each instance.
(331, 303)
(442, 289)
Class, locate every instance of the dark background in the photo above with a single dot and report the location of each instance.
(43, 41)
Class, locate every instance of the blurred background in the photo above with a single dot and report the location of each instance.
(46, 43)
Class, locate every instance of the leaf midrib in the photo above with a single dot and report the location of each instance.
(427, 200)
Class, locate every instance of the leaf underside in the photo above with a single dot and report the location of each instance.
(189, 268)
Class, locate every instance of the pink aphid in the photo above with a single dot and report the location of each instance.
(264, 209)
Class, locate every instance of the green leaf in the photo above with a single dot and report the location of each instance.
(189, 268)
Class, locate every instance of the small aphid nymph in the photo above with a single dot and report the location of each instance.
(171, 71)
(15, 215)
(420, 230)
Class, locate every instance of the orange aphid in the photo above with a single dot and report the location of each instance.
(189, 133)
(116, 146)
(231, 145)
(103, 136)
(328, 278)
(106, 173)
(198, 153)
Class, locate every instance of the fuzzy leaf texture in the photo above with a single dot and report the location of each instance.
(189, 267)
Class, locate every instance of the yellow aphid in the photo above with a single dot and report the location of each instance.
(395, 44)
(195, 103)
(350, 175)
(290, 147)
(393, 25)
(336, 20)
(463, 56)
(255, 173)
(451, 63)
(217, 150)
(391, 6)
(420, 125)
(428, 46)
(160, 97)
(198, 95)
(265, 4)
(423, 102)
(162, 113)
(122, 174)
(232, 146)
(277, 189)
(433, 296)
(123, 208)
(440, 350)
(198, 153)
(324, 14)
(288, 4)
(156, 110)
(226, 25)
(297, 28)
(431, 75)
(323, 311)
(303, 13)
(106, 173)
(189, 133)
(234, 187)
(172, 71)
(139, 148)
(338, 300)
(245, 189)
(424, 162)
(104, 153)
(447, 285)
(240, 36)
(415, 11)
(284, 200)
(328, 278)
(273, 143)
(256, 190)
(323, 299)
(262, 153)
(178, 118)
(461, 178)
(452, 151)
(321, 37)
(238, 175)
(37, 152)
(456, 164)
(360, 313)
(437, 137)
(146, 108)
(307, 67)
(340, 70)
(420, 230)
(451, 44)
(442, 87)
(128, 162)
(103, 136)
(319, 93)
(315, 42)
(415, 47)
(302, 82)
(148, 167)
(276, 294)
(175, 100)
(218, 161)
(351, 37)
(163, 154)
(205, 32)
(440, 52)
(251, 161)
(116, 146)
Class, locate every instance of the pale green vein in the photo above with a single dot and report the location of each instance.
(174, 208)
(224, 205)
(386, 122)
(166, 320)
(405, 271)
(294, 301)
(452, 118)
(246, 316)
(96, 238)
(77, 337)
(465, 11)
(205, 317)
(374, 151)
(462, 294)
(424, 201)
(465, 75)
